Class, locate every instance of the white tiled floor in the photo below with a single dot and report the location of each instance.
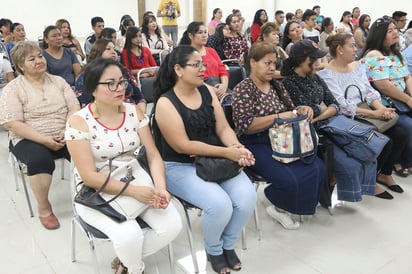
(373, 236)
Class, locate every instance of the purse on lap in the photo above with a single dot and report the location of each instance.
(293, 139)
(129, 169)
(379, 124)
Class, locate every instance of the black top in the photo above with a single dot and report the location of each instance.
(200, 125)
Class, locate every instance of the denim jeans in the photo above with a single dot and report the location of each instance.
(405, 121)
(227, 206)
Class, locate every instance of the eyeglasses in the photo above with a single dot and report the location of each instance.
(113, 85)
(197, 65)
(382, 20)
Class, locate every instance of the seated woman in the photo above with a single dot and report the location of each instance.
(104, 129)
(269, 32)
(388, 72)
(215, 41)
(152, 38)
(61, 61)
(18, 34)
(35, 107)
(104, 48)
(216, 20)
(134, 56)
(292, 33)
(307, 88)
(69, 41)
(6, 71)
(234, 44)
(125, 23)
(257, 101)
(215, 71)
(192, 122)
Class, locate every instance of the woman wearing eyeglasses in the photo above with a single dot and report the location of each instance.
(106, 128)
(388, 72)
(215, 72)
(293, 188)
(191, 123)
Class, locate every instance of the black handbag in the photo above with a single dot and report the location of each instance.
(215, 169)
(91, 197)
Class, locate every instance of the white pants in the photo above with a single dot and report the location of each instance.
(130, 242)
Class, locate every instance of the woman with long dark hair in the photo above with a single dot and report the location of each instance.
(152, 38)
(259, 19)
(134, 55)
(191, 122)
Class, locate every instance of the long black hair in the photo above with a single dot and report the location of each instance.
(256, 18)
(192, 28)
(166, 77)
(130, 34)
(376, 38)
(286, 40)
(145, 26)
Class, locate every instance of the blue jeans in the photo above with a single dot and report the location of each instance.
(227, 206)
(405, 121)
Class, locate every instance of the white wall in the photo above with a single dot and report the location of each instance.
(36, 14)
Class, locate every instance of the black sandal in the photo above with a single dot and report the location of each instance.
(402, 172)
(232, 259)
(218, 263)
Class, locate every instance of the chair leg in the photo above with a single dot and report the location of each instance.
(93, 252)
(62, 169)
(171, 259)
(190, 238)
(26, 191)
(244, 238)
(12, 160)
(73, 234)
(256, 213)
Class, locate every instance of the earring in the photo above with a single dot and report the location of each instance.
(341, 53)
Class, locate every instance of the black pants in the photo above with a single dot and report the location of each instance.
(38, 158)
(393, 149)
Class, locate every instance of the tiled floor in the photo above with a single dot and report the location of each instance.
(373, 236)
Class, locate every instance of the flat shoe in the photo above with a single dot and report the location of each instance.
(384, 195)
(50, 222)
(394, 188)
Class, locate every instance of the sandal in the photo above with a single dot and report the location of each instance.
(218, 263)
(402, 172)
(232, 259)
(121, 269)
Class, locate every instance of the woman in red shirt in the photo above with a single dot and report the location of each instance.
(134, 56)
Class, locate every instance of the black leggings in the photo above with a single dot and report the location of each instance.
(38, 158)
(393, 149)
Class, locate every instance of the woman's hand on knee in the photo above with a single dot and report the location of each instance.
(52, 143)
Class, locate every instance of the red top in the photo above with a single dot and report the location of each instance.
(215, 67)
(254, 32)
(138, 62)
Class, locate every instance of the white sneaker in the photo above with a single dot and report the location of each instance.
(282, 217)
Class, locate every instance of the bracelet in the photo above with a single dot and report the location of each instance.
(278, 115)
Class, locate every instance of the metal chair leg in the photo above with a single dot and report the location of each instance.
(62, 169)
(73, 232)
(244, 238)
(171, 259)
(190, 238)
(13, 160)
(93, 252)
(26, 191)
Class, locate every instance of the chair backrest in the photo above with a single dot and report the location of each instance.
(236, 75)
(146, 84)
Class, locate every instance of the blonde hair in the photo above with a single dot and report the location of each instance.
(19, 52)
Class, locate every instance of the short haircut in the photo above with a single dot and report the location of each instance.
(398, 14)
(19, 52)
(96, 20)
(279, 12)
(307, 14)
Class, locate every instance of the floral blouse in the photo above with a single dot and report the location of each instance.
(250, 102)
(386, 67)
(338, 82)
(234, 47)
(311, 91)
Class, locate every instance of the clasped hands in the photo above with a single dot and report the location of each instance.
(238, 153)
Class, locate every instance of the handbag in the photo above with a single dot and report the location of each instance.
(400, 106)
(293, 139)
(216, 169)
(125, 168)
(357, 139)
(379, 124)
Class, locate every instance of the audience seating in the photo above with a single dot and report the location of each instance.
(146, 84)
(18, 166)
